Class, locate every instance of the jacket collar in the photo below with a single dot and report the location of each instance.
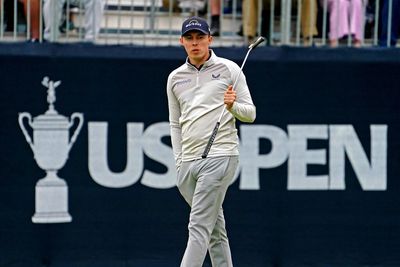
(210, 61)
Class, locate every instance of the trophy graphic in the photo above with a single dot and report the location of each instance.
(50, 146)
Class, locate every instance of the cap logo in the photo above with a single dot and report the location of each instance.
(193, 23)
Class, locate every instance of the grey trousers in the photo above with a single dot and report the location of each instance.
(203, 184)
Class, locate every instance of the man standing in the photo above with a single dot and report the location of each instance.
(52, 10)
(197, 92)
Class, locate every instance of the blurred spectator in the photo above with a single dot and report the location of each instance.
(395, 23)
(250, 19)
(346, 17)
(52, 12)
(34, 6)
(309, 11)
(174, 5)
(369, 20)
(34, 16)
(215, 9)
(250, 10)
(68, 18)
(193, 6)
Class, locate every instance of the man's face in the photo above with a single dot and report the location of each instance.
(196, 45)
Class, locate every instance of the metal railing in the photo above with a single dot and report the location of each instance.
(157, 22)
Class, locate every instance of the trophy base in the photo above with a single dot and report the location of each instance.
(53, 217)
(51, 195)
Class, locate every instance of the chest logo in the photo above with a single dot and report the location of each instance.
(182, 82)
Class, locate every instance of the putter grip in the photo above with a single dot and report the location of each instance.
(256, 43)
(210, 141)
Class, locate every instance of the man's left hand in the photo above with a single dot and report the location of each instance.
(229, 97)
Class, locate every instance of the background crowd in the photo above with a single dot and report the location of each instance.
(348, 22)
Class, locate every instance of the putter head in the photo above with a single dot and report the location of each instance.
(257, 42)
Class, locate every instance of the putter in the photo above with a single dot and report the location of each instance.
(215, 130)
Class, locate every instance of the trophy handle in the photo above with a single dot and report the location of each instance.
(21, 117)
(79, 116)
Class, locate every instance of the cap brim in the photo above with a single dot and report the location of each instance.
(195, 30)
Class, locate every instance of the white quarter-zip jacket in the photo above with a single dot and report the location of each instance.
(195, 102)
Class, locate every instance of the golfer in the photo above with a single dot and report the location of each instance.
(197, 92)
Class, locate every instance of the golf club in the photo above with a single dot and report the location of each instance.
(215, 130)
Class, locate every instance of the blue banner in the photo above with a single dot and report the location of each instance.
(87, 176)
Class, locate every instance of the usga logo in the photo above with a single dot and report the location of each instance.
(292, 147)
(51, 145)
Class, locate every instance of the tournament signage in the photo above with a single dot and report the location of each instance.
(342, 140)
